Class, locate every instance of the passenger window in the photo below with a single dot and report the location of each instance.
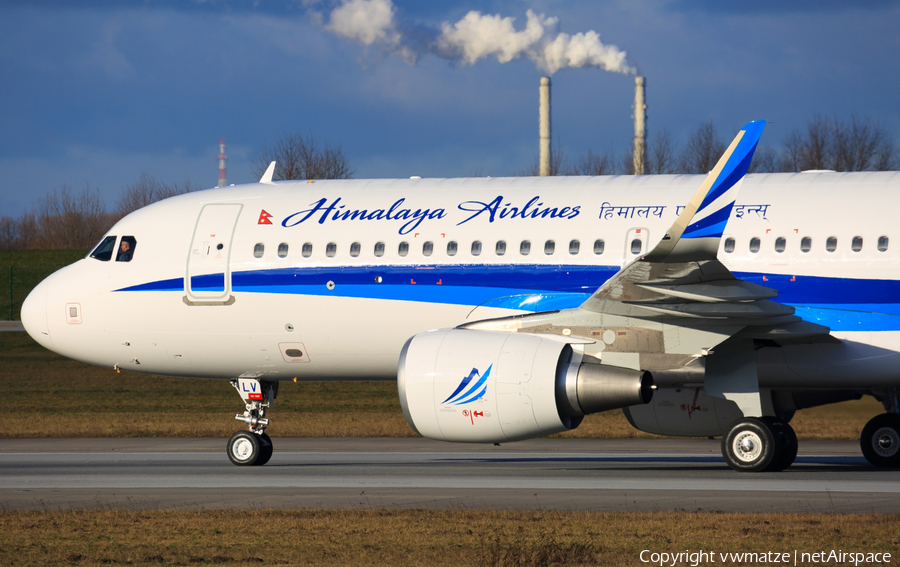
(330, 249)
(856, 243)
(754, 245)
(525, 247)
(729, 245)
(476, 248)
(636, 246)
(451, 248)
(379, 249)
(126, 249)
(403, 249)
(427, 248)
(500, 249)
(549, 247)
(831, 244)
(805, 244)
(306, 251)
(599, 245)
(104, 250)
(574, 247)
(259, 250)
(780, 243)
(282, 250)
(882, 243)
(354, 249)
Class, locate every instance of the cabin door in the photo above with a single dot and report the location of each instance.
(208, 277)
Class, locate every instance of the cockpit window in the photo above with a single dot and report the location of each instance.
(104, 250)
(126, 249)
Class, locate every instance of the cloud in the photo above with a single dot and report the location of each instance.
(477, 36)
(370, 22)
(365, 21)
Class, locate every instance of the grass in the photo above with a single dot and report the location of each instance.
(21, 270)
(420, 537)
(70, 399)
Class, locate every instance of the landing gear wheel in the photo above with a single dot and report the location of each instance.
(253, 447)
(880, 440)
(785, 444)
(266, 449)
(245, 449)
(749, 445)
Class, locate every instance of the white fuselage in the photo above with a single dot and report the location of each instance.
(327, 279)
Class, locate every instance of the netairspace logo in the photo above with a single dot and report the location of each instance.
(696, 558)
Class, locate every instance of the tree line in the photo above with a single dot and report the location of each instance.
(67, 218)
(70, 219)
(858, 144)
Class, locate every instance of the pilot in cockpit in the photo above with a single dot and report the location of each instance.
(126, 249)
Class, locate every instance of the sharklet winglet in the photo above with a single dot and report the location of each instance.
(698, 229)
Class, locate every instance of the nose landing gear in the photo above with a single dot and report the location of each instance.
(246, 448)
(253, 447)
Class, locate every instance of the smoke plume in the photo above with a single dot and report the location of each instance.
(477, 36)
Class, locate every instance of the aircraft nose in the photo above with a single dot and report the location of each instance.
(34, 315)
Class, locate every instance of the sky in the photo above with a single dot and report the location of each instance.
(96, 92)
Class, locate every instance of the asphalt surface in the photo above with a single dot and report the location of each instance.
(567, 474)
(11, 326)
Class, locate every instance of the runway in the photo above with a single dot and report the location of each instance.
(11, 327)
(568, 474)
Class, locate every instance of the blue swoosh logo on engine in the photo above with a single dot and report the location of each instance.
(467, 392)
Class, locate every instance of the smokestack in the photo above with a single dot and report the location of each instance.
(640, 126)
(222, 157)
(544, 126)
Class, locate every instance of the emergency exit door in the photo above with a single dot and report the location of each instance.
(208, 277)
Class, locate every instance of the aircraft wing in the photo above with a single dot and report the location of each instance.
(677, 302)
(682, 277)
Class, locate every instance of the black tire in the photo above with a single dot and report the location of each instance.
(880, 440)
(244, 448)
(265, 450)
(749, 445)
(786, 445)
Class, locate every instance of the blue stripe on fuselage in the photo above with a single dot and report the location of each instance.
(844, 304)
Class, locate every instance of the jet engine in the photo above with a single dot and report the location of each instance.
(484, 386)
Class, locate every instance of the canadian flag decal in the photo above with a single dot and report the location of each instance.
(264, 217)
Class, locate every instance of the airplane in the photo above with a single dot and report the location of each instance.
(510, 308)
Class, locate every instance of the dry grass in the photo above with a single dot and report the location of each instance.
(418, 537)
(70, 399)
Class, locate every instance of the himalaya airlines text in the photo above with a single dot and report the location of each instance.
(324, 211)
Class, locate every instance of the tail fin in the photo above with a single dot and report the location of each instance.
(696, 233)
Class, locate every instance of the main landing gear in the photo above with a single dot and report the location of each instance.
(253, 447)
(880, 440)
(754, 444)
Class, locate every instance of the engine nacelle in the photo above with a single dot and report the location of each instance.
(491, 387)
